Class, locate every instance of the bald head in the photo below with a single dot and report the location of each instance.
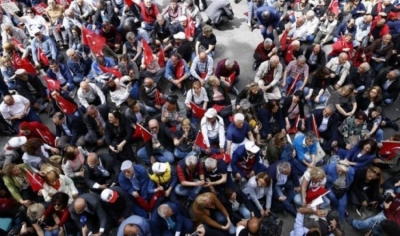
(253, 225)
(79, 205)
(203, 56)
(9, 100)
(92, 159)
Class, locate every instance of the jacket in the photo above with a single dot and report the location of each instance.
(124, 130)
(332, 175)
(81, 68)
(261, 53)
(164, 136)
(91, 123)
(203, 215)
(13, 185)
(264, 69)
(361, 161)
(273, 20)
(264, 116)
(159, 224)
(65, 72)
(301, 148)
(23, 88)
(48, 47)
(222, 90)
(121, 208)
(359, 80)
(333, 123)
(342, 30)
(146, 187)
(185, 175)
(251, 188)
(149, 14)
(286, 106)
(344, 71)
(272, 172)
(66, 186)
(143, 224)
(393, 90)
(75, 125)
(106, 14)
(363, 190)
(167, 180)
(376, 50)
(94, 177)
(321, 57)
(242, 166)
(170, 70)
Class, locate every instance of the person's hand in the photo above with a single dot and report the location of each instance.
(41, 219)
(85, 230)
(228, 225)
(37, 65)
(40, 193)
(168, 192)
(238, 177)
(100, 142)
(103, 186)
(159, 188)
(297, 189)
(116, 10)
(113, 149)
(120, 147)
(386, 205)
(346, 49)
(36, 105)
(143, 66)
(54, 150)
(165, 40)
(135, 194)
(200, 182)
(266, 212)
(262, 212)
(274, 50)
(117, 46)
(337, 86)
(333, 224)
(364, 203)
(81, 173)
(176, 82)
(320, 213)
(269, 136)
(307, 97)
(282, 198)
(208, 150)
(26, 203)
(333, 75)
(334, 144)
(65, 88)
(303, 126)
(207, 184)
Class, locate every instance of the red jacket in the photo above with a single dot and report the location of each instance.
(149, 15)
(40, 131)
(393, 213)
(338, 47)
(384, 29)
(261, 52)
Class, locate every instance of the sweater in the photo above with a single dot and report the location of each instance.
(202, 214)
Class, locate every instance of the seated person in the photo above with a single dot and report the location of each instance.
(134, 225)
(206, 41)
(172, 11)
(293, 70)
(388, 81)
(185, 137)
(268, 77)
(344, 101)
(216, 92)
(263, 52)
(95, 120)
(161, 33)
(79, 65)
(271, 119)
(213, 131)
(202, 67)
(117, 204)
(151, 94)
(173, 111)
(380, 52)
(62, 74)
(228, 70)
(90, 94)
(149, 12)
(237, 204)
(361, 78)
(361, 155)
(55, 182)
(170, 214)
(100, 172)
(315, 57)
(352, 130)
(259, 188)
(216, 173)
(306, 152)
(315, 92)
(177, 72)
(164, 175)
(69, 130)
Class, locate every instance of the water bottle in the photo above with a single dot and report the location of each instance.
(83, 221)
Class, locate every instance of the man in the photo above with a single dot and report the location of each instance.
(101, 61)
(16, 108)
(164, 174)
(63, 74)
(70, 19)
(326, 29)
(238, 133)
(180, 45)
(268, 20)
(46, 45)
(80, 65)
(89, 215)
(216, 172)
(70, 130)
(298, 30)
(149, 12)
(161, 33)
(82, 9)
(191, 178)
(179, 26)
(90, 94)
(10, 33)
(263, 52)
(363, 28)
(202, 67)
(95, 120)
(306, 150)
(380, 51)
(294, 69)
(268, 76)
(248, 227)
(345, 28)
(100, 172)
(169, 220)
(246, 162)
(12, 151)
(311, 24)
(30, 87)
(379, 29)
(177, 72)
(105, 13)
(148, 94)
(159, 148)
(117, 204)
(340, 67)
(228, 70)
(361, 78)
(285, 183)
(315, 57)
(135, 181)
(388, 81)
(113, 37)
(135, 225)
(327, 122)
(213, 131)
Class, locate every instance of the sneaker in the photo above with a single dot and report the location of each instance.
(234, 90)
(255, 66)
(183, 89)
(359, 211)
(395, 126)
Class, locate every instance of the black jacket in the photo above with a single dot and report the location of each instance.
(94, 175)
(75, 125)
(91, 123)
(321, 57)
(333, 123)
(109, 14)
(165, 138)
(121, 208)
(115, 135)
(392, 90)
(358, 79)
(23, 88)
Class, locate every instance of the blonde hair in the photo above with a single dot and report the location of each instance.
(8, 46)
(202, 199)
(51, 176)
(186, 122)
(317, 172)
(35, 211)
(4, 59)
(212, 79)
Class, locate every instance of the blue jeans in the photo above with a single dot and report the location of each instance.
(161, 155)
(147, 26)
(298, 166)
(266, 34)
(339, 203)
(51, 233)
(213, 141)
(379, 135)
(367, 224)
(192, 192)
(244, 212)
(181, 154)
(279, 190)
(298, 200)
(289, 81)
(221, 219)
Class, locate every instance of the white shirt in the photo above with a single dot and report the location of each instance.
(16, 109)
(60, 77)
(213, 131)
(35, 22)
(311, 184)
(197, 99)
(86, 98)
(324, 124)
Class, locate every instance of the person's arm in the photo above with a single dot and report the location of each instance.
(193, 67)
(71, 186)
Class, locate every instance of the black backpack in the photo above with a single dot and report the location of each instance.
(270, 226)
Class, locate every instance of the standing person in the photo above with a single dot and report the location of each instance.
(268, 20)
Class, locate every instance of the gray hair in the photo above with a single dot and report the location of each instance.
(5, 26)
(70, 52)
(310, 13)
(301, 58)
(229, 63)
(162, 210)
(396, 72)
(310, 135)
(130, 35)
(210, 163)
(268, 41)
(331, 107)
(191, 160)
(283, 166)
(238, 117)
(35, 211)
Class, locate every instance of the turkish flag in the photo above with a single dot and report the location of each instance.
(52, 84)
(40, 9)
(130, 3)
(148, 53)
(293, 129)
(292, 86)
(161, 57)
(289, 54)
(35, 180)
(222, 156)
(159, 99)
(232, 77)
(200, 141)
(145, 134)
(66, 106)
(190, 27)
(94, 41)
(389, 149)
(218, 108)
(16, 42)
(314, 193)
(20, 63)
(315, 127)
(180, 69)
(47, 136)
(283, 40)
(64, 3)
(334, 7)
(198, 112)
(42, 57)
(111, 70)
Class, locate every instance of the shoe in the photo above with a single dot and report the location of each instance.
(234, 90)
(183, 91)
(395, 126)
(359, 211)
(255, 66)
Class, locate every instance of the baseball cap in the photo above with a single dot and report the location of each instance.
(126, 165)
(159, 167)
(210, 113)
(251, 147)
(16, 142)
(179, 35)
(109, 195)
(20, 71)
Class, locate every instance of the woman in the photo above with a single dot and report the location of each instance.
(189, 9)
(119, 92)
(237, 205)
(58, 211)
(172, 12)
(128, 67)
(339, 177)
(57, 105)
(38, 130)
(75, 40)
(54, 182)
(352, 130)
(184, 140)
(344, 101)
(33, 21)
(55, 13)
(293, 112)
(73, 163)
(216, 92)
(299, 9)
(208, 210)
(259, 188)
(271, 119)
(361, 155)
(173, 111)
(365, 189)
(370, 99)
(205, 42)
(7, 68)
(315, 93)
(132, 48)
(313, 179)
(36, 153)
(253, 94)
(117, 136)
(279, 148)
(197, 95)
(374, 121)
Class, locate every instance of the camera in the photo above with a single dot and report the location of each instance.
(388, 197)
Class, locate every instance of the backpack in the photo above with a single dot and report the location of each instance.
(270, 226)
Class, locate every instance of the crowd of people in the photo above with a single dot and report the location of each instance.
(129, 156)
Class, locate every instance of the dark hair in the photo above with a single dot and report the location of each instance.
(30, 9)
(321, 72)
(32, 146)
(116, 113)
(172, 99)
(60, 197)
(77, 29)
(177, 55)
(53, 62)
(271, 104)
(228, 192)
(189, 3)
(360, 115)
(265, 177)
(299, 94)
(370, 141)
(111, 85)
(124, 57)
(313, 233)
(59, 115)
(390, 227)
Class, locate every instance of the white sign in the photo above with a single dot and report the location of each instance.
(9, 6)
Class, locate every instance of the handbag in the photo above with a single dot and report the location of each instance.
(226, 111)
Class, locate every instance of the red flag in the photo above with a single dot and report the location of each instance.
(289, 54)
(16, 42)
(315, 127)
(47, 136)
(379, 6)
(223, 156)
(292, 87)
(334, 7)
(200, 141)
(148, 53)
(389, 149)
(218, 108)
(314, 193)
(190, 27)
(42, 57)
(293, 129)
(161, 57)
(40, 9)
(232, 77)
(20, 63)
(146, 135)
(52, 84)
(180, 69)
(94, 41)
(111, 70)
(35, 180)
(130, 3)
(64, 3)
(159, 99)
(198, 112)
(283, 40)
(66, 106)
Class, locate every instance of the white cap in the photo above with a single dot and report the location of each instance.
(179, 35)
(20, 71)
(109, 195)
(251, 147)
(210, 113)
(35, 30)
(126, 165)
(159, 167)
(17, 142)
